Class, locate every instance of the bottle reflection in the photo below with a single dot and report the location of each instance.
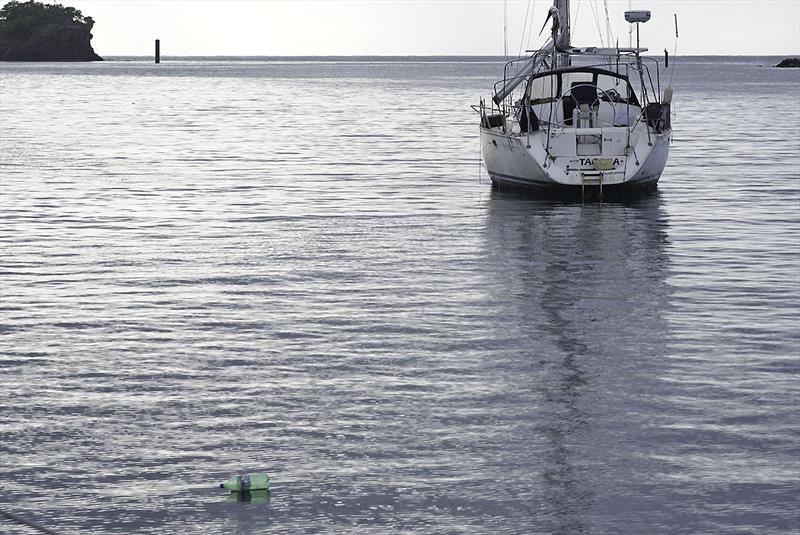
(254, 496)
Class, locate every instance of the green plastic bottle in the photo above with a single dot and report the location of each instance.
(245, 483)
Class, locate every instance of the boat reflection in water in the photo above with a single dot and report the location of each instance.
(581, 290)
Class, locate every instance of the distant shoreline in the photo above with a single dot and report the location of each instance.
(122, 57)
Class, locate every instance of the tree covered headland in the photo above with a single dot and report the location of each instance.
(34, 31)
(19, 18)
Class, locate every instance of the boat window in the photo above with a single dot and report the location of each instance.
(607, 83)
(616, 89)
(543, 89)
(548, 88)
(568, 79)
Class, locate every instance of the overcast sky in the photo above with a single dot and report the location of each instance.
(427, 27)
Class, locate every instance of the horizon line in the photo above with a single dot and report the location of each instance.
(413, 55)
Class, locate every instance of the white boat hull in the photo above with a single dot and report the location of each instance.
(637, 162)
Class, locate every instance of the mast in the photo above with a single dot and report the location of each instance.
(563, 41)
(563, 14)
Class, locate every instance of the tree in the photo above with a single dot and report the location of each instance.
(34, 31)
(22, 18)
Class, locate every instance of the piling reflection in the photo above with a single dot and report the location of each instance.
(588, 286)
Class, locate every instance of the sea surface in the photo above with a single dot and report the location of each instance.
(298, 266)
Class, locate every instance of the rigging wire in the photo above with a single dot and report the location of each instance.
(609, 33)
(649, 31)
(524, 27)
(530, 29)
(597, 23)
(575, 23)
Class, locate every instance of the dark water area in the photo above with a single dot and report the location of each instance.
(297, 265)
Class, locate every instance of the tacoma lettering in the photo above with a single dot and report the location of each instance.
(590, 161)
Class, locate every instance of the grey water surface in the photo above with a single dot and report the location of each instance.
(298, 266)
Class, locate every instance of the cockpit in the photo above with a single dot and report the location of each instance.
(580, 97)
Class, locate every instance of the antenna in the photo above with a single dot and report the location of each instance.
(637, 17)
(630, 28)
(505, 28)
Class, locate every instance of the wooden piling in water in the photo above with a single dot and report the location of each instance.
(158, 51)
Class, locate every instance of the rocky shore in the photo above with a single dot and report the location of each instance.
(789, 63)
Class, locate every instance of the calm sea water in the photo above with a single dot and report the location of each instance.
(299, 267)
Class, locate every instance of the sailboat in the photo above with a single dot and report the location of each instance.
(572, 118)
